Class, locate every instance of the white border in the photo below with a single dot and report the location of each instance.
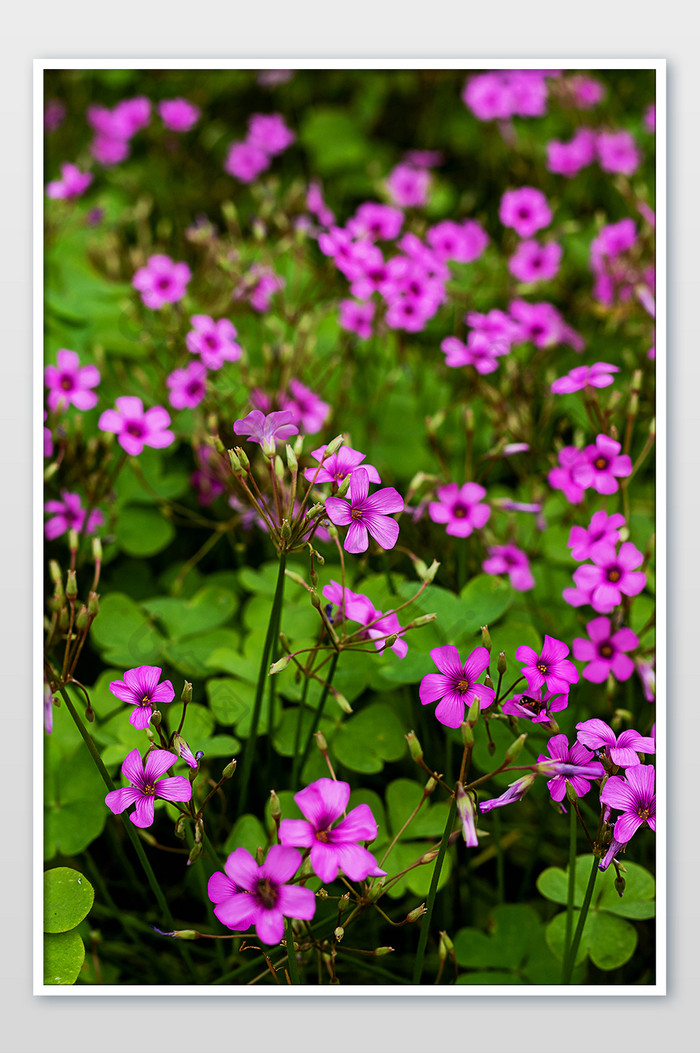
(383, 990)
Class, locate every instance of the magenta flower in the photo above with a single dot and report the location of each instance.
(650, 117)
(72, 183)
(146, 785)
(339, 465)
(363, 513)
(460, 508)
(357, 317)
(536, 707)
(574, 765)
(214, 342)
(408, 186)
(533, 262)
(140, 688)
(187, 386)
(268, 132)
(267, 430)
(510, 560)
(603, 583)
(455, 687)
(248, 894)
(601, 465)
(357, 607)
(48, 440)
(480, 351)
(467, 814)
(602, 531)
(596, 376)
(613, 240)
(54, 115)
(462, 242)
(604, 651)
(48, 709)
(136, 428)
(569, 158)
(69, 514)
(563, 478)
(515, 792)
(70, 384)
(550, 667)
(109, 151)
(622, 750)
(586, 92)
(375, 221)
(525, 210)
(634, 797)
(246, 162)
(179, 115)
(316, 205)
(543, 325)
(161, 281)
(309, 412)
(332, 848)
(617, 152)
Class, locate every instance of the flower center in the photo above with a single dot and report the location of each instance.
(462, 686)
(66, 383)
(605, 650)
(323, 836)
(356, 513)
(163, 283)
(600, 463)
(614, 574)
(643, 813)
(135, 428)
(145, 701)
(149, 790)
(459, 511)
(542, 668)
(267, 893)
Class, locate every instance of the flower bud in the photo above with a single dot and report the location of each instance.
(343, 902)
(467, 734)
(97, 550)
(486, 637)
(431, 572)
(285, 530)
(430, 786)
(342, 702)
(333, 446)
(93, 604)
(501, 665)
(414, 746)
(488, 682)
(474, 711)
(242, 457)
(186, 695)
(228, 771)
(149, 735)
(71, 585)
(344, 486)
(292, 462)
(338, 933)
(446, 946)
(275, 807)
(315, 510)
(296, 578)
(332, 531)
(620, 885)
(72, 540)
(280, 665)
(279, 467)
(322, 894)
(156, 718)
(298, 445)
(571, 794)
(186, 934)
(422, 619)
(55, 572)
(217, 443)
(315, 599)
(380, 952)
(429, 857)
(82, 618)
(321, 742)
(515, 749)
(236, 465)
(415, 914)
(195, 853)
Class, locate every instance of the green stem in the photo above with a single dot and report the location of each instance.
(131, 832)
(572, 885)
(300, 721)
(262, 680)
(300, 760)
(573, 950)
(291, 956)
(500, 870)
(430, 902)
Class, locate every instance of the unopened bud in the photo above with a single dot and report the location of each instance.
(195, 853)
(73, 540)
(97, 550)
(89, 714)
(571, 792)
(416, 914)
(82, 618)
(285, 530)
(422, 619)
(217, 444)
(186, 695)
(149, 735)
(339, 932)
(344, 486)
(515, 749)
(446, 946)
(55, 572)
(467, 734)
(298, 445)
(315, 599)
(486, 637)
(279, 665)
(322, 894)
(228, 771)
(342, 702)
(332, 531)
(292, 462)
(236, 466)
(321, 742)
(279, 467)
(156, 718)
(71, 585)
(315, 510)
(429, 857)
(501, 665)
(431, 572)
(333, 446)
(474, 711)
(430, 786)
(620, 885)
(275, 806)
(93, 604)
(186, 934)
(414, 746)
(376, 890)
(488, 682)
(242, 457)
(343, 902)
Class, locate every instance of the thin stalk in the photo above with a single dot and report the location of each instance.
(260, 688)
(291, 956)
(300, 720)
(430, 902)
(573, 950)
(572, 884)
(300, 760)
(498, 842)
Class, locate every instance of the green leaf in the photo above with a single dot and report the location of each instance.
(402, 796)
(369, 738)
(480, 979)
(232, 703)
(191, 656)
(143, 531)
(123, 633)
(64, 954)
(417, 880)
(484, 599)
(613, 941)
(514, 930)
(248, 832)
(68, 897)
(556, 936)
(333, 138)
(210, 607)
(285, 733)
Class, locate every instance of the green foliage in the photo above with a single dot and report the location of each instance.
(68, 898)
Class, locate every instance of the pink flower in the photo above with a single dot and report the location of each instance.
(602, 531)
(543, 325)
(269, 133)
(376, 222)
(525, 210)
(596, 376)
(574, 765)
(332, 848)
(365, 513)
(359, 608)
(316, 205)
(536, 707)
(136, 428)
(179, 115)
(248, 894)
(650, 118)
(510, 560)
(634, 797)
(623, 751)
(214, 342)
(617, 152)
(357, 317)
(309, 412)
(480, 351)
(467, 814)
(161, 281)
(140, 688)
(339, 465)
(70, 384)
(146, 785)
(500, 94)
(54, 115)
(586, 92)
(533, 262)
(562, 478)
(604, 651)
(267, 430)
(69, 514)
(265, 284)
(455, 687)
(463, 242)
(569, 158)
(109, 151)
(515, 792)
(246, 162)
(550, 667)
(460, 508)
(187, 386)
(601, 465)
(603, 583)
(72, 183)
(408, 186)
(613, 240)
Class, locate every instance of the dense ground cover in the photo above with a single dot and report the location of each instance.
(350, 400)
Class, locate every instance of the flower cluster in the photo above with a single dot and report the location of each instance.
(268, 135)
